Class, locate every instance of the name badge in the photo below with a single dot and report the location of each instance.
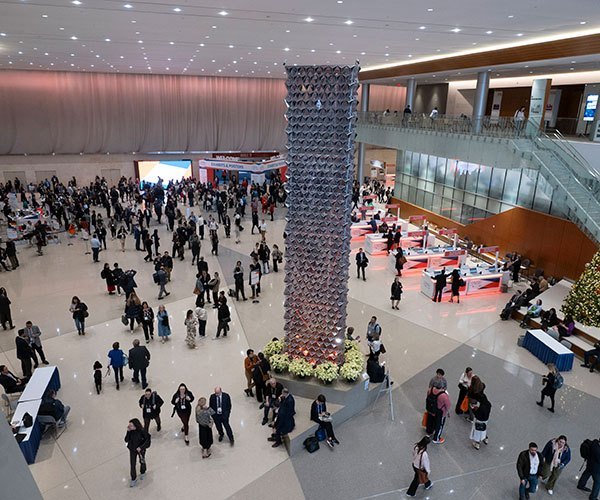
(183, 406)
(148, 410)
(219, 410)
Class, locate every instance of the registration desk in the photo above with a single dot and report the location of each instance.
(42, 380)
(548, 350)
(432, 258)
(362, 228)
(31, 435)
(377, 243)
(478, 280)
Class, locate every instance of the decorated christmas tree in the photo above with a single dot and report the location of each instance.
(583, 301)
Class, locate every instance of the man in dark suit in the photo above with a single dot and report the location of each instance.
(220, 402)
(24, 353)
(10, 382)
(592, 469)
(440, 283)
(139, 359)
(361, 263)
(285, 423)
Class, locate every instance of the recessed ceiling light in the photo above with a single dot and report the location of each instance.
(527, 65)
(133, 21)
(309, 19)
(61, 29)
(409, 55)
(230, 46)
(573, 62)
(140, 41)
(386, 55)
(430, 10)
(340, 1)
(489, 32)
(571, 69)
(511, 16)
(349, 22)
(107, 39)
(128, 6)
(73, 37)
(259, 48)
(44, 16)
(456, 30)
(214, 27)
(76, 2)
(519, 34)
(2, 34)
(176, 9)
(171, 43)
(312, 50)
(223, 13)
(362, 53)
(422, 27)
(287, 31)
(338, 51)
(287, 49)
(582, 22)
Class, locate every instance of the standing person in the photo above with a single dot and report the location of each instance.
(138, 441)
(457, 282)
(24, 353)
(277, 257)
(34, 333)
(400, 259)
(557, 456)
(156, 240)
(592, 468)
(421, 467)
(396, 293)
(108, 276)
(79, 311)
(117, 276)
(195, 245)
(161, 278)
(284, 422)
(373, 329)
(481, 414)
(260, 374)
(362, 262)
(117, 360)
(529, 469)
(320, 415)
(162, 320)
(139, 360)
(238, 277)
(98, 376)
(202, 316)
(519, 118)
(443, 412)
(148, 246)
(147, 321)
(204, 418)
(182, 405)
(254, 221)
(96, 247)
(254, 281)
(464, 382)
(220, 402)
(224, 317)
(150, 403)
(191, 325)
(440, 283)
(214, 242)
(250, 362)
(11, 253)
(552, 382)
(214, 285)
(133, 310)
(5, 315)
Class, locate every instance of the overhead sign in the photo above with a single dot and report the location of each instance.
(413, 218)
(488, 249)
(257, 167)
(447, 231)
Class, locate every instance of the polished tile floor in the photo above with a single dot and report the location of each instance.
(89, 460)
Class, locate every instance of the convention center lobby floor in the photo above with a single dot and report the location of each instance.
(89, 460)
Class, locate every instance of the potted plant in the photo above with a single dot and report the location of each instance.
(327, 372)
(273, 347)
(279, 362)
(351, 345)
(352, 369)
(301, 368)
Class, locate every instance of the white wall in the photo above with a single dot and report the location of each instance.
(460, 101)
(590, 152)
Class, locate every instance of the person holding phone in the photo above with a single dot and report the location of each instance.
(182, 405)
(138, 441)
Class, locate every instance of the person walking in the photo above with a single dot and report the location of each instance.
(79, 310)
(284, 422)
(220, 402)
(96, 246)
(238, 278)
(150, 403)
(464, 382)
(138, 441)
(107, 275)
(396, 293)
(191, 329)
(277, 257)
(552, 382)
(362, 262)
(455, 285)
(160, 278)
(147, 321)
(133, 310)
(204, 418)
(320, 415)
(440, 283)
(5, 313)
(122, 236)
(213, 285)
(557, 456)
(400, 259)
(139, 360)
(481, 414)
(202, 317)
(117, 360)
(421, 467)
(224, 317)
(11, 253)
(34, 333)
(591, 456)
(162, 320)
(24, 353)
(182, 405)
(529, 468)
(98, 376)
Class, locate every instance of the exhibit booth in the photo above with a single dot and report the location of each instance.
(220, 170)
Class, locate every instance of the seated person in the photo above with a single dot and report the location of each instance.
(320, 415)
(533, 312)
(10, 382)
(377, 216)
(54, 407)
(375, 370)
(383, 227)
(566, 327)
(544, 285)
(549, 319)
(271, 394)
(354, 217)
(535, 288)
(588, 354)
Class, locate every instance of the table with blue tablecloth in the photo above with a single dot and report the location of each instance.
(42, 380)
(548, 350)
(32, 435)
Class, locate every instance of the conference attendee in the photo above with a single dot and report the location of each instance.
(260, 374)
(481, 414)
(139, 360)
(204, 419)
(202, 317)
(284, 423)
(592, 468)
(34, 333)
(150, 403)
(439, 380)
(11, 382)
(373, 329)
(557, 456)
(79, 310)
(515, 266)
(362, 261)
(138, 441)
(320, 415)
(213, 286)
(375, 370)
(464, 382)
(162, 322)
(117, 361)
(254, 278)
(400, 260)
(54, 407)
(550, 382)
(443, 412)
(396, 293)
(421, 467)
(549, 319)
(161, 278)
(529, 468)
(455, 285)
(24, 353)
(250, 362)
(566, 327)
(107, 275)
(96, 246)
(147, 321)
(532, 312)
(440, 283)
(238, 277)
(133, 310)
(11, 253)
(220, 402)
(277, 257)
(224, 317)
(5, 313)
(588, 354)
(182, 405)
(122, 236)
(271, 395)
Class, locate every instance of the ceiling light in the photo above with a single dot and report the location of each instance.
(128, 6)
(76, 2)
(259, 48)
(519, 34)
(231, 46)
(309, 19)
(582, 22)
(61, 29)
(456, 30)
(214, 27)
(409, 55)
(176, 9)
(107, 39)
(44, 16)
(171, 43)
(348, 22)
(489, 32)
(362, 53)
(338, 51)
(312, 50)
(73, 37)
(287, 49)
(223, 13)
(422, 27)
(511, 16)
(429, 10)
(2, 34)
(340, 1)
(133, 21)
(287, 31)
(140, 41)
(201, 45)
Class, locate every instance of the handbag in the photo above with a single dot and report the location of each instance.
(424, 420)
(124, 319)
(480, 426)
(321, 435)
(464, 406)
(196, 291)
(422, 473)
(403, 260)
(265, 376)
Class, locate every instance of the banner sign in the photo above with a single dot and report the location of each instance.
(454, 253)
(414, 234)
(447, 231)
(392, 205)
(488, 249)
(413, 218)
(257, 167)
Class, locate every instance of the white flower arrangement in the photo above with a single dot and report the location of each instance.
(327, 372)
(351, 370)
(351, 345)
(300, 367)
(273, 347)
(280, 362)
(354, 357)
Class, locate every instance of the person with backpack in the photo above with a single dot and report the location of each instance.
(138, 441)
(590, 452)
(438, 407)
(552, 382)
(150, 403)
(373, 329)
(421, 467)
(557, 455)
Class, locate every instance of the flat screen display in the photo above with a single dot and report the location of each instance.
(149, 171)
(591, 103)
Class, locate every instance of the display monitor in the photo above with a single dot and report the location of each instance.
(591, 103)
(149, 171)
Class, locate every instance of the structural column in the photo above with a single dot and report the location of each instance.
(364, 106)
(481, 94)
(411, 89)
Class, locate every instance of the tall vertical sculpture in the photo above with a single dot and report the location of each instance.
(321, 118)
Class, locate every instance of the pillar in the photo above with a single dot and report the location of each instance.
(411, 89)
(481, 94)
(364, 107)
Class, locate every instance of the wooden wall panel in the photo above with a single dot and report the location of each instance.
(553, 244)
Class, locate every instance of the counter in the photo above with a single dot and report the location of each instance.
(432, 258)
(363, 228)
(477, 280)
(376, 243)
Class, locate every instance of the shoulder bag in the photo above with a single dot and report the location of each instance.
(422, 473)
